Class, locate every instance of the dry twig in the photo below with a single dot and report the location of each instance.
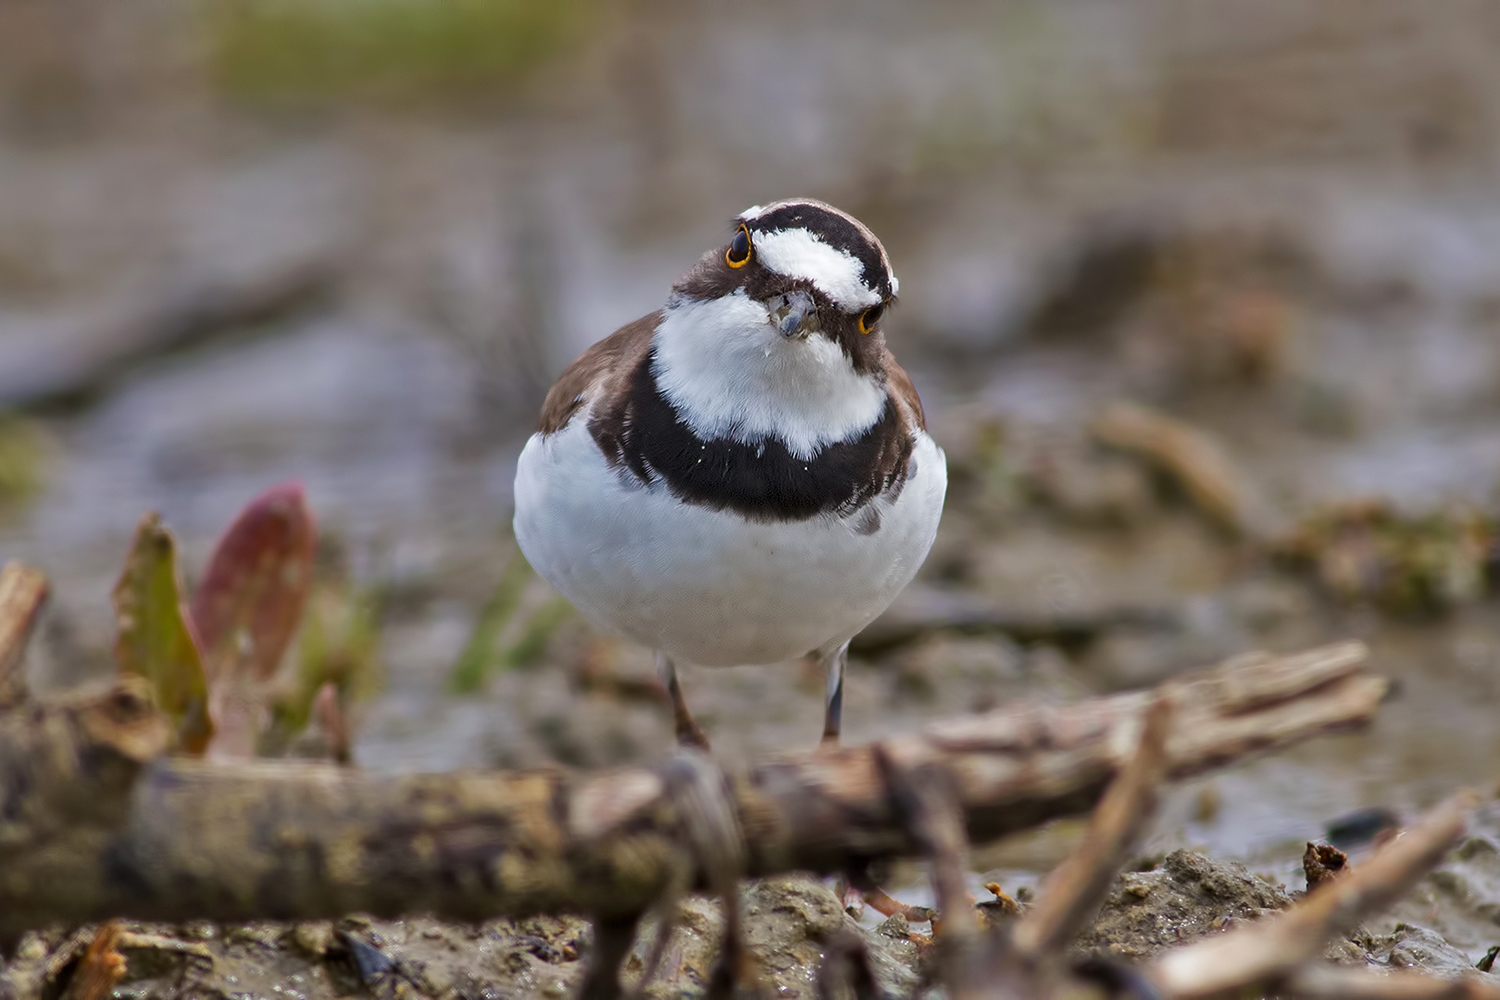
(100, 968)
(1266, 953)
(1279, 955)
(23, 591)
(95, 825)
(1078, 886)
(1329, 982)
(1189, 457)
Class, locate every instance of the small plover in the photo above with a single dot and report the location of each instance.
(743, 476)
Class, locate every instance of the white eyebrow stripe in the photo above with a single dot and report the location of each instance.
(798, 253)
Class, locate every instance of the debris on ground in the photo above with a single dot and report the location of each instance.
(1322, 862)
(1368, 552)
(789, 924)
(789, 921)
(1186, 896)
(1189, 458)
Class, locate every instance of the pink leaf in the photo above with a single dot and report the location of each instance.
(248, 607)
(251, 598)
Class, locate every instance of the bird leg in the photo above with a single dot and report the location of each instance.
(887, 905)
(689, 733)
(612, 943)
(834, 662)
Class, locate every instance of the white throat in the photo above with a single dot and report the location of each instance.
(730, 374)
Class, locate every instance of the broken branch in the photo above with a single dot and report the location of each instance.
(97, 825)
(1329, 982)
(1076, 889)
(1188, 456)
(23, 591)
(1267, 952)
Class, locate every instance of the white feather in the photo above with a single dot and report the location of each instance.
(799, 253)
(756, 211)
(708, 587)
(730, 373)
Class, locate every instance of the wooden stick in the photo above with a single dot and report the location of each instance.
(1188, 455)
(1329, 982)
(93, 824)
(1266, 952)
(926, 804)
(23, 591)
(1076, 889)
(101, 967)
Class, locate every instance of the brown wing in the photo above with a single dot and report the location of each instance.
(597, 370)
(904, 392)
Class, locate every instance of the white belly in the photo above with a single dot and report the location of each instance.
(707, 587)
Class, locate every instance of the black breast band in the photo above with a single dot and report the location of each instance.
(761, 481)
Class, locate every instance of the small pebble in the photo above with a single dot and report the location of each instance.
(31, 948)
(314, 937)
(199, 930)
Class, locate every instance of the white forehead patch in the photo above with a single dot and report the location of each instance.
(798, 253)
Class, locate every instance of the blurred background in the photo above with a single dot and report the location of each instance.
(1203, 299)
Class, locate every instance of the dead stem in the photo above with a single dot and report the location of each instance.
(23, 591)
(1266, 952)
(1329, 982)
(1075, 890)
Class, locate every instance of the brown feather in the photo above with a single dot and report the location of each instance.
(599, 369)
(643, 436)
(900, 386)
(638, 430)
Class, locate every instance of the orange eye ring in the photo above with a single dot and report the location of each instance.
(870, 317)
(738, 254)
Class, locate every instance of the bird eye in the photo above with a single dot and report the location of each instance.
(738, 254)
(870, 317)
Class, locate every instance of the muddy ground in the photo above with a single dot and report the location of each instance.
(1272, 225)
(789, 923)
